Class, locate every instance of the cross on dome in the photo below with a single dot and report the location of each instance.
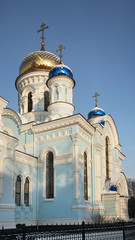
(60, 50)
(43, 27)
(95, 96)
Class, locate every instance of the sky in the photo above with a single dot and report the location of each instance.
(99, 36)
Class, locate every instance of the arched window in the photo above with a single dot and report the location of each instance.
(29, 102)
(49, 175)
(85, 177)
(46, 100)
(107, 156)
(18, 191)
(26, 192)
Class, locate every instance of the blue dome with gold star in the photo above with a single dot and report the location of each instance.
(60, 70)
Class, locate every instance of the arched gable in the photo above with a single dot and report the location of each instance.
(11, 122)
(122, 187)
(110, 130)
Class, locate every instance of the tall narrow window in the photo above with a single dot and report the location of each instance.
(26, 192)
(107, 157)
(30, 102)
(46, 100)
(85, 177)
(18, 191)
(49, 176)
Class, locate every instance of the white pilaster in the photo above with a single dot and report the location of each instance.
(76, 166)
(97, 175)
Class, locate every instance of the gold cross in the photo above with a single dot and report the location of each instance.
(95, 96)
(60, 50)
(42, 37)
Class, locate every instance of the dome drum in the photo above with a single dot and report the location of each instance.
(31, 78)
(62, 108)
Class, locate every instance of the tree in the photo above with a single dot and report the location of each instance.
(131, 201)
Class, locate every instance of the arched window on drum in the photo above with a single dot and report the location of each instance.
(46, 100)
(30, 102)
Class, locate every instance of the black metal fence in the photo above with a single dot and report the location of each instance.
(106, 231)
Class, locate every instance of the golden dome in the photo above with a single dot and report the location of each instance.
(39, 60)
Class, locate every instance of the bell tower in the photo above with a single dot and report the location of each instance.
(33, 93)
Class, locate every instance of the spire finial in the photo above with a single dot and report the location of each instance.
(95, 96)
(60, 50)
(43, 27)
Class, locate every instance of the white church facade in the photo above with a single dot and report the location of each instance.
(57, 166)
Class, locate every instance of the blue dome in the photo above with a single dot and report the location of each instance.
(60, 70)
(96, 112)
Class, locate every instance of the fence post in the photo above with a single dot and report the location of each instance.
(83, 230)
(23, 232)
(124, 237)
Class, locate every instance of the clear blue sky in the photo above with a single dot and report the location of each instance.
(99, 36)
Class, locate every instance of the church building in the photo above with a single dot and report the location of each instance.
(57, 166)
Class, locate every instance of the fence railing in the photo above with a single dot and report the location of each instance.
(106, 231)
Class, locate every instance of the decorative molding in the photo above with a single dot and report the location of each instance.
(64, 159)
(33, 78)
(82, 207)
(24, 158)
(65, 122)
(99, 128)
(6, 206)
(84, 135)
(62, 80)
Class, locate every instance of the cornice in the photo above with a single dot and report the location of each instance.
(8, 137)
(77, 119)
(30, 78)
(121, 156)
(99, 128)
(22, 154)
(27, 126)
(3, 102)
(118, 147)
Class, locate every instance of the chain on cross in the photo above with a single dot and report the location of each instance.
(43, 27)
(60, 50)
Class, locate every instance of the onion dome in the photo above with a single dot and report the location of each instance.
(39, 60)
(61, 70)
(96, 112)
(97, 115)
